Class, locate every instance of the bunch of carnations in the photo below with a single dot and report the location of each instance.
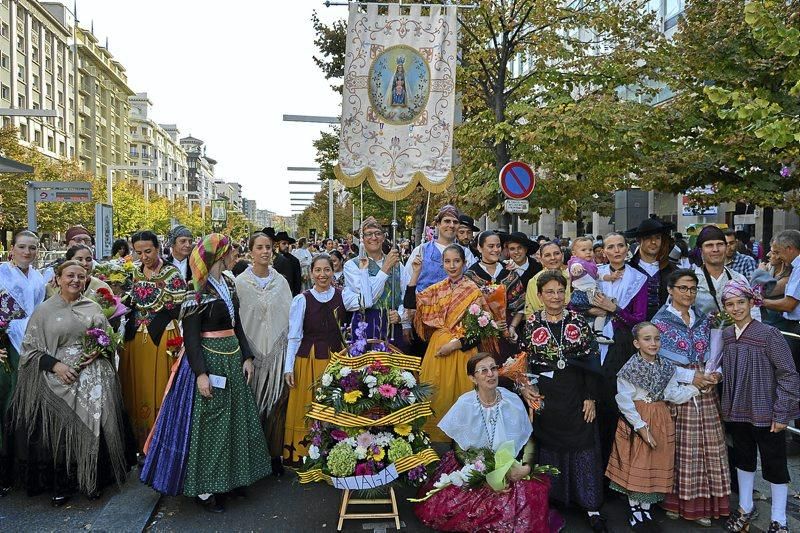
(111, 305)
(98, 342)
(174, 346)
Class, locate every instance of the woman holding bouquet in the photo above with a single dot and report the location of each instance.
(315, 319)
(702, 475)
(67, 413)
(209, 403)
(441, 309)
(480, 422)
(155, 301)
(489, 273)
(563, 353)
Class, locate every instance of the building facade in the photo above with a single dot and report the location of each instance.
(200, 174)
(249, 209)
(156, 146)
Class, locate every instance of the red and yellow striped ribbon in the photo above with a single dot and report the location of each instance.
(425, 457)
(406, 415)
(406, 362)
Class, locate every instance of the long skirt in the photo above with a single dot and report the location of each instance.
(8, 382)
(448, 375)
(307, 370)
(580, 481)
(227, 449)
(164, 468)
(643, 473)
(143, 372)
(702, 475)
(607, 410)
(523, 507)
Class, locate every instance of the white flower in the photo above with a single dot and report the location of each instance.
(444, 480)
(372, 392)
(313, 452)
(361, 452)
(345, 371)
(467, 470)
(327, 379)
(352, 442)
(410, 437)
(411, 397)
(408, 379)
(371, 381)
(456, 478)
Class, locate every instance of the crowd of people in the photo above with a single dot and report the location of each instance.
(640, 356)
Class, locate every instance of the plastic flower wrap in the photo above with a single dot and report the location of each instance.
(9, 310)
(111, 305)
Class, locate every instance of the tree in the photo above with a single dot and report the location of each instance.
(733, 123)
(562, 113)
(315, 216)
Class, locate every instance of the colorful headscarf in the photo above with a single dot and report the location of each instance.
(208, 251)
(178, 231)
(447, 210)
(739, 288)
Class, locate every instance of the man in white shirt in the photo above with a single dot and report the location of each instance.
(303, 254)
(181, 242)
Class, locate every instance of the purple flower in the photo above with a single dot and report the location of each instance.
(316, 440)
(416, 473)
(338, 435)
(350, 382)
(786, 172)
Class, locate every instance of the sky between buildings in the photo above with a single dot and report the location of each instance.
(226, 72)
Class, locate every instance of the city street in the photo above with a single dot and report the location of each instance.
(282, 504)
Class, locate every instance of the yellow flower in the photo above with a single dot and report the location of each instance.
(352, 396)
(402, 429)
(379, 456)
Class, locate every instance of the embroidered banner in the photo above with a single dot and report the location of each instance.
(398, 99)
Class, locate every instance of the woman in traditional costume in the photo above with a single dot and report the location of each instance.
(22, 288)
(622, 294)
(489, 271)
(760, 398)
(702, 476)
(83, 255)
(440, 310)
(155, 302)
(643, 458)
(562, 351)
(265, 299)
(68, 417)
(482, 420)
(338, 269)
(315, 319)
(215, 412)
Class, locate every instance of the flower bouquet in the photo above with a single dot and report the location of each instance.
(717, 322)
(495, 296)
(482, 466)
(174, 346)
(516, 369)
(117, 273)
(98, 342)
(479, 325)
(111, 305)
(10, 310)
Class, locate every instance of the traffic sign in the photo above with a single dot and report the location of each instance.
(517, 180)
(516, 206)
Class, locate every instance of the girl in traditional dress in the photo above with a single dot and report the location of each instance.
(83, 255)
(702, 475)
(315, 319)
(760, 396)
(265, 299)
(155, 302)
(643, 457)
(488, 271)
(23, 284)
(338, 269)
(226, 450)
(69, 423)
(484, 419)
(562, 351)
(440, 309)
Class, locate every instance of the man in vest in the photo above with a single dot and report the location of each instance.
(652, 260)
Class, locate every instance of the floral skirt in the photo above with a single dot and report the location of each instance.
(523, 507)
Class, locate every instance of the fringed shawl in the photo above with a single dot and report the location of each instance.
(72, 416)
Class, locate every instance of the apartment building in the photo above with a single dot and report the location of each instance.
(158, 147)
(36, 72)
(200, 172)
(249, 209)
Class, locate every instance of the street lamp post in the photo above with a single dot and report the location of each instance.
(110, 183)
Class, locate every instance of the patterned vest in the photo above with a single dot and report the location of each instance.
(392, 295)
(432, 268)
(321, 326)
(653, 297)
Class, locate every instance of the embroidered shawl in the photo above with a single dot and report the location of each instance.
(652, 377)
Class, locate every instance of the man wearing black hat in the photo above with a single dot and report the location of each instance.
(652, 259)
(519, 248)
(465, 234)
(284, 262)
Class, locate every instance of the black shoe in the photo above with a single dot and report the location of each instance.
(60, 499)
(4, 491)
(140, 459)
(212, 504)
(277, 467)
(598, 523)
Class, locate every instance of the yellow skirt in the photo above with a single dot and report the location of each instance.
(448, 375)
(143, 373)
(306, 371)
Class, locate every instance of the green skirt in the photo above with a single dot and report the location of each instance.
(8, 381)
(227, 448)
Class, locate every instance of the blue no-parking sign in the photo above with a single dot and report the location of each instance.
(517, 180)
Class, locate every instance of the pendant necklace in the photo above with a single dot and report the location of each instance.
(561, 364)
(494, 414)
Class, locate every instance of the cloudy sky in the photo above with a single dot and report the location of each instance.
(226, 72)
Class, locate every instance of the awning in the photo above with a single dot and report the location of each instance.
(9, 166)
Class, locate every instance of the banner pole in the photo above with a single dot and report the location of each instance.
(425, 222)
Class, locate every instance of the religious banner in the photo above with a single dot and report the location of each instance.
(398, 98)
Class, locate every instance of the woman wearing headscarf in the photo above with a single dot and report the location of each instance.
(155, 302)
(67, 412)
(180, 242)
(208, 440)
(265, 299)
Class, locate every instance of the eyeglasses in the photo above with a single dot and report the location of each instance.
(373, 234)
(487, 371)
(561, 292)
(684, 289)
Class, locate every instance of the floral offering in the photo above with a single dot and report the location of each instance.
(479, 325)
(98, 342)
(111, 305)
(117, 273)
(9, 310)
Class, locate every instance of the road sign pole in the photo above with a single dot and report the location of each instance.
(32, 226)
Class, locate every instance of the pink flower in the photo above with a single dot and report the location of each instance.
(364, 469)
(479, 466)
(682, 344)
(572, 333)
(338, 435)
(700, 346)
(365, 439)
(387, 391)
(483, 321)
(475, 309)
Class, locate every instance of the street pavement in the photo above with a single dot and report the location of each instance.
(283, 505)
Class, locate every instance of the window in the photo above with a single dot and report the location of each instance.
(23, 132)
(21, 101)
(60, 72)
(672, 12)
(21, 73)
(37, 137)
(4, 30)
(62, 149)
(48, 89)
(48, 63)
(60, 98)
(20, 43)
(35, 53)
(5, 92)
(5, 61)
(36, 80)
(51, 144)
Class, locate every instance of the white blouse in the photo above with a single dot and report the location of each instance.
(297, 314)
(627, 393)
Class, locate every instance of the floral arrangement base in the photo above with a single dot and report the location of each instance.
(348, 500)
